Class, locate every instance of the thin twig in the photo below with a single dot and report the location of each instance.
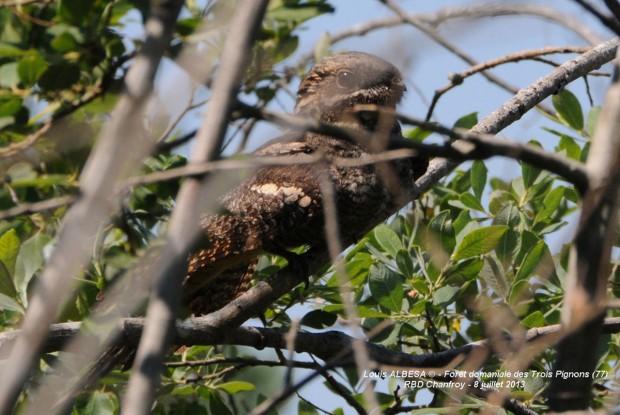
(13, 3)
(242, 362)
(334, 247)
(467, 12)
(534, 54)
(12, 149)
(342, 391)
(35, 207)
(610, 22)
(420, 25)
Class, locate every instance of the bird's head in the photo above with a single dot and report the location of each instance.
(336, 85)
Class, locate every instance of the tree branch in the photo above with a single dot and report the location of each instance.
(459, 78)
(468, 145)
(478, 11)
(325, 345)
(589, 261)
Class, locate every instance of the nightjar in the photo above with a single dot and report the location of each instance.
(281, 207)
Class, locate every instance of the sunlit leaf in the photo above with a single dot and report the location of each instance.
(9, 248)
(568, 108)
(478, 177)
(236, 386)
(479, 241)
(386, 287)
(388, 240)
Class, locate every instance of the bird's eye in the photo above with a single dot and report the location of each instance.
(346, 80)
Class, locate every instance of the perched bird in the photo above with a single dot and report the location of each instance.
(279, 208)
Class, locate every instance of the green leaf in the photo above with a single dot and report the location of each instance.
(441, 227)
(468, 269)
(298, 13)
(386, 287)
(417, 134)
(9, 76)
(75, 11)
(9, 248)
(186, 27)
(445, 295)
(569, 146)
(6, 121)
(30, 68)
(537, 261)
(7, 50)
(508, 215)
(568, 108)
(551, 202)
(592, 120)
(61, 76)
(536, 319)
(319, 319)
(304, 408)
(493, 274)
(471, 202)
(479, 241)
(285, 48)
(6, 282)
(404, 263)
(236, 386)
(7, 303)
(467, 121)
(388, 240)
(64, 42)
(29, 260)
(10, 105)
(478, 177)
(100, 403)
(421, 286)
(362, 311)
(519, 291)
(529, 173)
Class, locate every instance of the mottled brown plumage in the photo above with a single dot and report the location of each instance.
(279, 208)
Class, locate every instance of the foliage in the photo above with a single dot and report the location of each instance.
(473, 248)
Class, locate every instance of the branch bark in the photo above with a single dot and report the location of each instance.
(589, 262)
(330, 346)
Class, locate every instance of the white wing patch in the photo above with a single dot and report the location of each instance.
(292, 194)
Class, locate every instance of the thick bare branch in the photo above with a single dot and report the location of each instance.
(324, 345)
(589, 261)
